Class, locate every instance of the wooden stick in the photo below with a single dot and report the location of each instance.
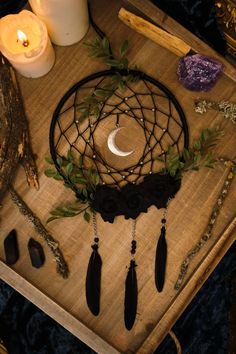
(156, 34)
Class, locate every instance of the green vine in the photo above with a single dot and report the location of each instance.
(85, 181)
(192, 159)
(92, 104)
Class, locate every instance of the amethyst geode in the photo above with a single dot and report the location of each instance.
(198, 72)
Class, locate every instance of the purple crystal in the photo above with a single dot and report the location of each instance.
(198, 72)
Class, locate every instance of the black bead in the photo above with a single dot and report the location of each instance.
(94, 247)
(96, 239)
(133, 251)
(163, 221)
(134, 242)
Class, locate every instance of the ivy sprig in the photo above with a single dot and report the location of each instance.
(192, 159)
(85, 180)
(100, 48)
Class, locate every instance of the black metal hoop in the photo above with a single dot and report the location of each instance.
(107, 73)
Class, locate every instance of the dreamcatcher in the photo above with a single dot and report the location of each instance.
(120, 147)
(124, 143)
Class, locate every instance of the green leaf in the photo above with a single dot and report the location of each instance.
(67, 185)
(50, 172)
(124, 47)
(69, 168)
(105, 43)
(102, 93)
(125, 63)
(59, 161)
(122, 85)
(58, 177)
(52, 218)
(159, 158)
(49, 160)
(58, 212)
(79, 179)
(81, 161)
(113, 62)
(197, 158)
(87, 216)
(85, 193)
(70, 156)
(186, 155)
(197, 145)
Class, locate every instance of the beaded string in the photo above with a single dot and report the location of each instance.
(95, 230)
(212, 220)
(133, 242)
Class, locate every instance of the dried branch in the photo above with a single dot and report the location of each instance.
(62, 267)
(15, 144)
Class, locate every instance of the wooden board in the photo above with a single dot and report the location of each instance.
(65, 300)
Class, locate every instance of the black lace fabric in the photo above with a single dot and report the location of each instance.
(202, 329)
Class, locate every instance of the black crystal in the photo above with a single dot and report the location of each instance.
(11, 248)
(36, 253)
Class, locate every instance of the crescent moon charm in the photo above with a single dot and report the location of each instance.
(112, 144)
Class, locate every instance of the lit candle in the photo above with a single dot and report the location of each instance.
(67, 21)
(25, 43)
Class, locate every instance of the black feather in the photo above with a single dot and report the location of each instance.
(93, 282)
(131, 296)
(160, 263)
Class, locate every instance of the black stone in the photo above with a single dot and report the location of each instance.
(11, 248)
(36, 253)
(96, 239)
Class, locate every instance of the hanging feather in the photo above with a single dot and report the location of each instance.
(160, 263)
(93, 281)
(131, 296)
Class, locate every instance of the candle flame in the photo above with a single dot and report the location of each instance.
(22, 38)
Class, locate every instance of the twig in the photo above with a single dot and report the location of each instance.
(62, 267)
(208, 231)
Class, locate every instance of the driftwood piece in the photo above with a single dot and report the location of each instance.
(14, 137)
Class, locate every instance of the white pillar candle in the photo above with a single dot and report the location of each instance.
(25, 43)
(67, 21)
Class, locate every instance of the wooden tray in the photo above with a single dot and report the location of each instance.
(64, 300)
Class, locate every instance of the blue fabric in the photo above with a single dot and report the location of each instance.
(202, 329)
(199, 17)
(11, 6)
(204, 326)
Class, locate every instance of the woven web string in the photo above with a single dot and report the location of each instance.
(154, 111)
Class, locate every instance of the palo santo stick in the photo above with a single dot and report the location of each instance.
(156, 34)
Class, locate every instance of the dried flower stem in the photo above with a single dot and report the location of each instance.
(208, 231)
(62, 267)
(228, 109)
